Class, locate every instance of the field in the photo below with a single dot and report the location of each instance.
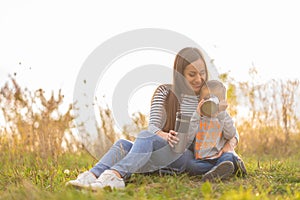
(24, 176)
(37, 159)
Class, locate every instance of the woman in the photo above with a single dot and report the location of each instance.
(152, 148)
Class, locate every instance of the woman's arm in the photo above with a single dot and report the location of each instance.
(157, 110)
(162, 134)
(158, 115)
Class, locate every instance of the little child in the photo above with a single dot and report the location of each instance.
(213, 127)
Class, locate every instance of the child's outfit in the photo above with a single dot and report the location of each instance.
(211, 134)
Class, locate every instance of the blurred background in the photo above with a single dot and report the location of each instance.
(253, 44)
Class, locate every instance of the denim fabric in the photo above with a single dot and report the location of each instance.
(116, 153)
(199, 167)
(148, 153)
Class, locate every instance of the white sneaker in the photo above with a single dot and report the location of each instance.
(108, 178)
(83, 180)
(219, 172)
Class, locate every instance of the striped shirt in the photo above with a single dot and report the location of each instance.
(158, 113)
(188, 107)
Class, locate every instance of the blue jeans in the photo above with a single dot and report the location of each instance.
(148, 153)
(199, 167)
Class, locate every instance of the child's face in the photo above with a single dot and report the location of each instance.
(204, 93)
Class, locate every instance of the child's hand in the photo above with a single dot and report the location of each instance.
(223, 105)
(199, 106)
(228, 147)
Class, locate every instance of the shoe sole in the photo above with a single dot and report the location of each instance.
(95, 187)
(81, 187)
(108, 179)
(77, 185)
(222, 171)
(241, 168)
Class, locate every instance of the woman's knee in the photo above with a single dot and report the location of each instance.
(124, 144)
(145, 134)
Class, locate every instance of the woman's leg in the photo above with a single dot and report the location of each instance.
(112, 156)
(145, 144)
(180, 164)
(148, 153)
(116, 153)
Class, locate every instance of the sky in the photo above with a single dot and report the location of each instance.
(46, 42)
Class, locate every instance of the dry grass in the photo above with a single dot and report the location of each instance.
(38, 155)
(34, 123)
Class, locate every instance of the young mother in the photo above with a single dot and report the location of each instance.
(152, 148)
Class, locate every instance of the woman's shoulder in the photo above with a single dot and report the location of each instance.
(164, 88)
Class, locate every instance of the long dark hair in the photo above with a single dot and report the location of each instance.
(184, 57)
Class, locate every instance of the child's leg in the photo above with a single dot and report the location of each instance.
(228, 156)
(238, 164)
(235, 159)
(199, 167)
(241, 168)
(224, 167)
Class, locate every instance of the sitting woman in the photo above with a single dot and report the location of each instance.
(152, 149)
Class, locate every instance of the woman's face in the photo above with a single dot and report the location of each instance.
(195, 75)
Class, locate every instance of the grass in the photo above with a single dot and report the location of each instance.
(25, 176)
(33, 164)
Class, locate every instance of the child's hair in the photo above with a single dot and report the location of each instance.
(216, 88)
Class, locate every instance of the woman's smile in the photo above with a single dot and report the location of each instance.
(195, 74)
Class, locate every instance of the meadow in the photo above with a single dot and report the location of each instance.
(37, 159)
(25, 176)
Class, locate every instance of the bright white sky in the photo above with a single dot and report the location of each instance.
(46, 42)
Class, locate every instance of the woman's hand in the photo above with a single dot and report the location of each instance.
(172, 138)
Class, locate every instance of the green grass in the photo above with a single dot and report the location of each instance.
(25, 176)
